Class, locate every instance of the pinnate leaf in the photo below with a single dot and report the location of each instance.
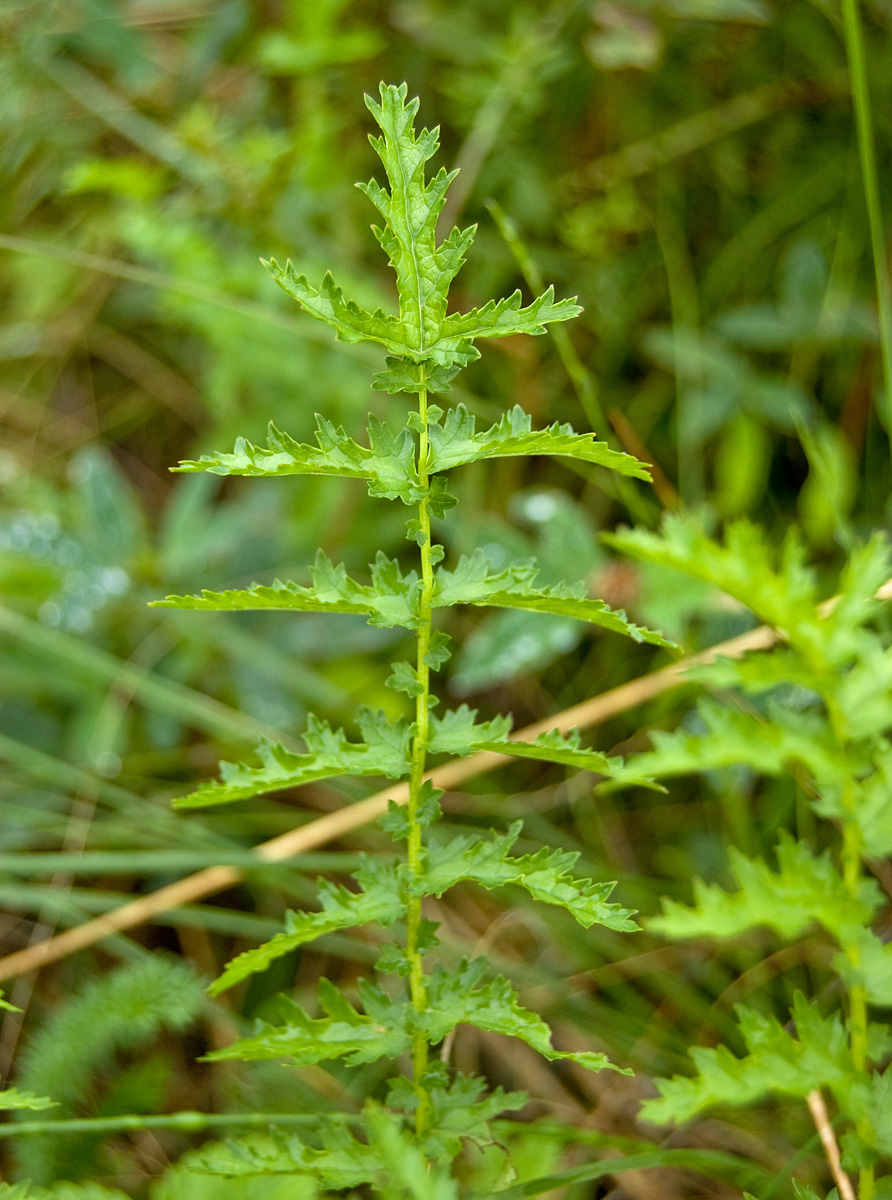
(804, 889)
(732, 737)
(350, 321)
(391, 599)
(384, 750)
(404, 375)
(410, 210)
(388, 462)
(778, 587)
(329, 1154)
(383, 1030)
(784, 597)
(545, 875)
(500, 318)
(458, 732)
(460, 1107)
(454, 443)
(422, 333)
(461, 996)
(873, 970)
(380, 898)
(776, 1062)
(472, 582)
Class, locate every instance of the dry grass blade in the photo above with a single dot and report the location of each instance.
(818, 1110)
(326, 829)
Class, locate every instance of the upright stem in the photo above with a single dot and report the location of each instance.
(867, 155)
(417, 988)
(851, 856)
(858, 1017)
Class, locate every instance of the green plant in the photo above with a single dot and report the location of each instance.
(814, 713)
(411, 1006)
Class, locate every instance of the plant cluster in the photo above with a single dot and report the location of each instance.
(817, 707)
(688, 167)
(415, 1003)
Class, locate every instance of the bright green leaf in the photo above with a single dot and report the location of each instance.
(384, 750)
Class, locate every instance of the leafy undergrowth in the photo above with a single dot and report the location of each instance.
(729, 336)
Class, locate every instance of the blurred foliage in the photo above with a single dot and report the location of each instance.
(688, 168)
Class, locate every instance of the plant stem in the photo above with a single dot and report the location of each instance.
(185, 1122)
(854, 39)
(419, 755)
(851, 862)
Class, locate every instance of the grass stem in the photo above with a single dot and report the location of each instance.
(857, 59)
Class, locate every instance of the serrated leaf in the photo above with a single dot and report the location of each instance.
(388, 462)
(777, 586)
(868, 962)
(454, 443)
(424, 270)
(869, 1103)
(403, 375)
(439, 652)
(427, 812)
(350, 321)
(384, 750)
(501, 318)
(410, 210)
(381, 898)
(732, 737)
(404, 678)
(804, 889)
(460, 1109)
(391, 599)
(408, 1173)
(545, 875)
(460, 996)
(381, 1031)
(784, 597)
(801, 1192)
(472, 582)
(12, 1098)
(458, 732)
(776, 1062)
(337, 1160)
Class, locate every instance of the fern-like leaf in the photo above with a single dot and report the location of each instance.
(461, 996)
(384, 750)
(776, 1062)
(350, 321)
(454, 443)
(381, 898)
(457, 732)
(545, 875)
(410, 210)
(391, 599)
(422, 333)
(117, 1012)
(383, 1030)
(388, 462)
(472, 582)
(804, 889)
(460, 1109)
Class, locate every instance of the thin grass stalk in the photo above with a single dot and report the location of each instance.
(857, 59)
